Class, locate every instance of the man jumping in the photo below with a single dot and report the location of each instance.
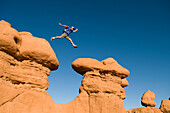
(66, 33)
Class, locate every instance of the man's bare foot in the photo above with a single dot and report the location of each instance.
(75, 46)
(52, 38)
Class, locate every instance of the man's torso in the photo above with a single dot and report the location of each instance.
(67, 30)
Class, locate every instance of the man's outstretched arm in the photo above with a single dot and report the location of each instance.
(75, 30)
(62, 25)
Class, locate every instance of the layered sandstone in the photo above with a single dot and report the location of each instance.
(26, 62)
(101, 90)
(102, 81)
(26, 72)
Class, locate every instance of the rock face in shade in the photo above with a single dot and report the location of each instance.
(165, 106)
(148, 99)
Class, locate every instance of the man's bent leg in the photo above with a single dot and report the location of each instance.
(68, 38)
(62, 36)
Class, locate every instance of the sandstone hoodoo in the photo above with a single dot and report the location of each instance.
(103, 83)
(26, 62)
(148, 99)
(25, 59)
(23, 46)
(83, 65)
(165, 106)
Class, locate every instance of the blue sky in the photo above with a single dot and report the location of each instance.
(136, 33)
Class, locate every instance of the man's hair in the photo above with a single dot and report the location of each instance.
(73, 27)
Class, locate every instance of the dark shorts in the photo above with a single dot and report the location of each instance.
(65, 36)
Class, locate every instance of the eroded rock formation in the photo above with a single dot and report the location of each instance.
(26, 62)
(23, 46)
(102, 83)
(165, 106)
(147, 101)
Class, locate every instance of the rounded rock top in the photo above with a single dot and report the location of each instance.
(148, 99)
(82, 65)
(24, 46)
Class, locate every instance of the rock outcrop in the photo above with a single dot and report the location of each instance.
(23, 46)
(149, 103)
(148, 99)
(144, 110)
(165, 106)
(102, 82)
(26, 62)
(24, 72)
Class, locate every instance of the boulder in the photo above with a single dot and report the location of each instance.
(148, 99)
(165, 106)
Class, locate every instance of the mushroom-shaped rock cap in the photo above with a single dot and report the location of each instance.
(23, 46)
(148, 99)
(82, 65)
(109, 61)
(39, 50)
